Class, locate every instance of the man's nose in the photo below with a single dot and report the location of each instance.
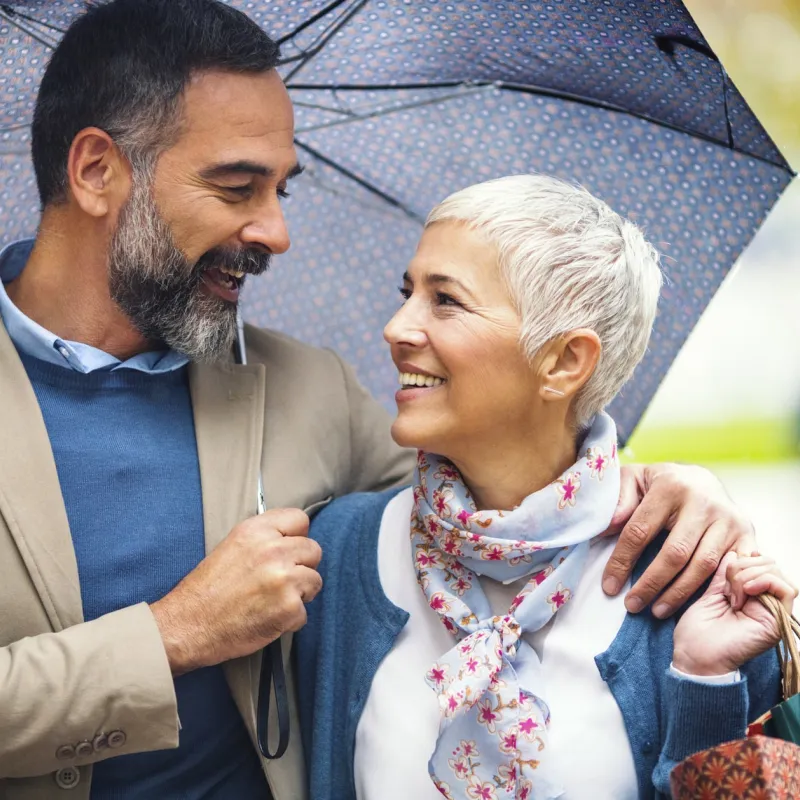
(405, 327)
(268, 230)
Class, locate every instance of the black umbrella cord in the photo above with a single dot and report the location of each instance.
(273, 676)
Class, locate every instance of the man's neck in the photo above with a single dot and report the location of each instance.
(64, 288)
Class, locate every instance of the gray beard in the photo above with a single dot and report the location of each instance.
(161, 292)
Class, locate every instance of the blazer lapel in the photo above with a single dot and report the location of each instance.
(228, 403)
(30, 494)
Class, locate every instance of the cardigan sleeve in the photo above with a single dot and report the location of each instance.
(694, 717)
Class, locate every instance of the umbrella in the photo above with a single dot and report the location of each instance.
(400, 102)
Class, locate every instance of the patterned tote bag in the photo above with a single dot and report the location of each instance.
(765, 765)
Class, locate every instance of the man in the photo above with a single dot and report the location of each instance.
(138, 586)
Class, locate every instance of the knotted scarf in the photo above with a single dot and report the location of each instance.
(492, 741)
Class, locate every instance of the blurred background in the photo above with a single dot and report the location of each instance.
(732, 399)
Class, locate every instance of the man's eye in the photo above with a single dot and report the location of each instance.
(283, 193)
(241, 191)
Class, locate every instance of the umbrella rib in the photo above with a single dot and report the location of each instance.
(729, 144)
(383, 112)
(323, 12)
(33, 34)
(559, 94)
(13, 12)
(17, 127)
(363, 182)
(319, 107)
(325, 37)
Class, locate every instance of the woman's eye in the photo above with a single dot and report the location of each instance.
(443, 299)
(406, 293)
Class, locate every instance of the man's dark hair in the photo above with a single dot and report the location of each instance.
(123, 65)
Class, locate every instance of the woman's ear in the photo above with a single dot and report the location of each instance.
(569, 363)
(99, 176)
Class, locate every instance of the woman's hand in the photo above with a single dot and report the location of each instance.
(728, 625)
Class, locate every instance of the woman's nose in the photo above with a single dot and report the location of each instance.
(403, 328)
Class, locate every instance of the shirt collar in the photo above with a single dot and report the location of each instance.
(32, 339)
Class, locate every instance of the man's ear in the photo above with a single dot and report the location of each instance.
(568, 364)
(99, 175)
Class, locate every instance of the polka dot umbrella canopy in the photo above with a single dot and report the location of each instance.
(400, 102)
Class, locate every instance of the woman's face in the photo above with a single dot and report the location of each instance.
(465, 384)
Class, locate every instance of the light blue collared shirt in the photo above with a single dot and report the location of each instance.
(37, 342)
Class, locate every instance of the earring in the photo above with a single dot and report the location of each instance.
(554, 391)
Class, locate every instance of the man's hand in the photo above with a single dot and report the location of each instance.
(704, 523)
(243, 595)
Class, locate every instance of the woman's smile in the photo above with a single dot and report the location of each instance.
(416, 382)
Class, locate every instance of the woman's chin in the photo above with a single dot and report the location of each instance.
(414, 437)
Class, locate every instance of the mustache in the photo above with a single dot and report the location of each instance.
(251, 261)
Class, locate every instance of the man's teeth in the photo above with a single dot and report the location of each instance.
(415, 379)
(235, 273)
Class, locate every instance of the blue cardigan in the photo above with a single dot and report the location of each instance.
(352, 626)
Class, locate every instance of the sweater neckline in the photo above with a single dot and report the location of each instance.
(102, 379)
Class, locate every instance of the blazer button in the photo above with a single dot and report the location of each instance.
(647, 748)
(84, 749)
(68, 777)
(116, 739)
(65, 752)
(100, 742)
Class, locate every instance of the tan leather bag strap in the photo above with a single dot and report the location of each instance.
(787, 647)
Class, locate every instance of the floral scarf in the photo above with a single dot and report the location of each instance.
(492, 741)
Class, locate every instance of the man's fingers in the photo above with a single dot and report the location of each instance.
(309, 582)
(643, 526)
(629, 497)
(289, 521)
(306, 552)
(703, 560)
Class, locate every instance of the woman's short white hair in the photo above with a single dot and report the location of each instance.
(569, 261)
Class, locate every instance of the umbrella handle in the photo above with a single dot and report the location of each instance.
(273, 676)
(788, 653)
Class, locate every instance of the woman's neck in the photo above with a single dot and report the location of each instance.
(502, 475)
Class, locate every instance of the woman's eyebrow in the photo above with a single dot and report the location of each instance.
(437, 279)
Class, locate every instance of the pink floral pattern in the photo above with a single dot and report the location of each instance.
(568, 487)
(493, 736)
(598, 462)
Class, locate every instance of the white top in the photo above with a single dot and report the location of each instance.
(397, 731)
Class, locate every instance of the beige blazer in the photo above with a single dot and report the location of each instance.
(74, 692)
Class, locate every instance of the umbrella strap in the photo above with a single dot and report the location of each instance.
(272, 678)
(788, 653)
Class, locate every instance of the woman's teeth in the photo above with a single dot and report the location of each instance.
(415, 379)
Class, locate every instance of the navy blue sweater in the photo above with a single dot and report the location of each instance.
(352, 625)
(126, 455)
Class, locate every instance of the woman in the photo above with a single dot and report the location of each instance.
(463, 645)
